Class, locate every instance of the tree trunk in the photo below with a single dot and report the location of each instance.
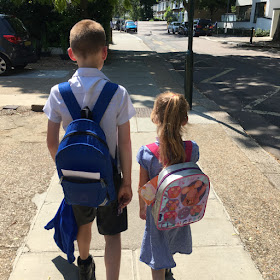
(84, 8)
(276, 36)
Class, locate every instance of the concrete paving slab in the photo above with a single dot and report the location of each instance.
(53, 266)
(217, 263)
(133, 125)
(55, 192)
(38, 233)
(208, 263)
(145, 125)
(122, 42)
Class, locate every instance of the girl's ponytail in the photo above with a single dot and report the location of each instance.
(170, 114)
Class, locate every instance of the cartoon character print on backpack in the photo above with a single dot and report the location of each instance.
(191, 195)
(183, 203)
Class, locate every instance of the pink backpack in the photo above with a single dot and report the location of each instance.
(181, 194)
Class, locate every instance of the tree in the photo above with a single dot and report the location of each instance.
(211, 5)
(146, 9)
(121, 7)
(135, 9)
(169, 16)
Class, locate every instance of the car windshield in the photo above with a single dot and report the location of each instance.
(17, 25)
(130, 23)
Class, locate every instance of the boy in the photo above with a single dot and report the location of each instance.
(87, 47)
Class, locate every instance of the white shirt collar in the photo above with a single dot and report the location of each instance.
(89, 72)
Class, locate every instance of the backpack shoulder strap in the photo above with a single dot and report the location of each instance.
(154, 149)
(188, 150)
(70, 100)
(103, 101)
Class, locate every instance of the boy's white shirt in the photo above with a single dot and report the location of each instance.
(87, 84)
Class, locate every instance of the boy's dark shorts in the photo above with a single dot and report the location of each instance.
(108, 220)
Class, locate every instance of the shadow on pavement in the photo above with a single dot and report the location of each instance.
(68, 271)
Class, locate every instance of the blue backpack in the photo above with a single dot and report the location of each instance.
(84, 164)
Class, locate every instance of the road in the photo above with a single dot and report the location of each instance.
(242, 81)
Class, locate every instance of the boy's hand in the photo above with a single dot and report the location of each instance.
(125, 195)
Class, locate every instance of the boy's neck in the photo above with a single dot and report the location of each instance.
(84, 64)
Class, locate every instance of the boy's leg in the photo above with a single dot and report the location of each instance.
(158, 274)
(112, 256)
(83, 240)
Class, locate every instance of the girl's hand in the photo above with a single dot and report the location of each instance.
(142, 213)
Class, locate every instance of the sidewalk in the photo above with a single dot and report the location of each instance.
(218, 252)
(244, 41)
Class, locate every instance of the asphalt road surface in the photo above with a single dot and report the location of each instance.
(242, 81)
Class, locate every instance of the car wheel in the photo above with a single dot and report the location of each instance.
(5, 65)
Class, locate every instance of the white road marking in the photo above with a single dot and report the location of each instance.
(262, 99)
(216, 76)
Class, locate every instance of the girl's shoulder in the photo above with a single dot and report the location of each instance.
(144, 152)
(195, 151)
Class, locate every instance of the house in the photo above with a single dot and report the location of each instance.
(178, 10)
(263, 14)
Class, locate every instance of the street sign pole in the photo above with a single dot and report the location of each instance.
(189, 57)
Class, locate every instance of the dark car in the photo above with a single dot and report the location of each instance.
(202, 27)
(15, 46)
(183, 29)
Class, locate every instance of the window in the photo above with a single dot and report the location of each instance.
(259, 11)
(243, 13)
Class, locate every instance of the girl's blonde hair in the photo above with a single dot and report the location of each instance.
(170, 113)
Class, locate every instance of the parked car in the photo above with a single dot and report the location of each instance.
(173, 27)
(16, 49)
(130, 26)
(183, 29)
(202, 27)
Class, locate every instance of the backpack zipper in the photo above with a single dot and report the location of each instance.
(86, 133)
(175, 171)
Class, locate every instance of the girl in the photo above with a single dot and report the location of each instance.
(170, 115)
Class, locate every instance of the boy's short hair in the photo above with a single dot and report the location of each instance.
(87, 37)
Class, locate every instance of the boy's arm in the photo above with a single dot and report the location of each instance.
(124, 142)
(143, 179)
(53, 137)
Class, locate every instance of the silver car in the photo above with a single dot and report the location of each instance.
(173, 27)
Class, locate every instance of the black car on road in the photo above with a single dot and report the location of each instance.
(16, 49)
(202, 27)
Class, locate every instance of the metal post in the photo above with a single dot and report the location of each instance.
(189, 58)
(252, 34)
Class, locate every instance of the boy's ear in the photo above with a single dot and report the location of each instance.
(104, 52)
(71, 54)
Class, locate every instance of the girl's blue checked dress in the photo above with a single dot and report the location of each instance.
(159, 246)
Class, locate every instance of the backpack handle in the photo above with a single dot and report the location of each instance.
(154, 148)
